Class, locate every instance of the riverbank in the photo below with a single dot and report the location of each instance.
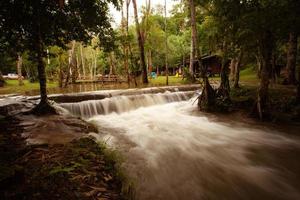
(71, 166)
(12, 88)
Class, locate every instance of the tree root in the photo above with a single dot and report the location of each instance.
(44, 108)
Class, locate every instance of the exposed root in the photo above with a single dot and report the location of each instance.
(44, 108)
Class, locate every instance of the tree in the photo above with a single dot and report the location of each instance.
(263, 22)
(293, 23)
(19, 70)
(1, 80)
(194, 35)
(292, 58)
(47, 23)
(237, 67)
(140, 42)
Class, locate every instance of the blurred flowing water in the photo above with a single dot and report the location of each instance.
(174, 152)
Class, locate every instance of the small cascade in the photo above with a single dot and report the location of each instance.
(120, 104)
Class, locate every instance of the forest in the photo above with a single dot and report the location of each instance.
(213, 70)
(261, 35)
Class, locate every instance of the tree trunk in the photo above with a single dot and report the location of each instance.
(73, 64)
(224, 88)
(43, 107)
(207, 98)
(150, 62)
(298, 89)
(1, 80)
(61, 74)
(291, 59)
(82, 62)
(19, 70)
(95, 69)
(78, 67)
(237, 70)
(112, 70)
(194, 41)
(261, 108)
(259, 65)
(124, 23)
(141, 43)
(232, 69)
(166, 46)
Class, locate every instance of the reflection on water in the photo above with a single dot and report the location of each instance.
(80, 87)
(87, 87)
(174, 155)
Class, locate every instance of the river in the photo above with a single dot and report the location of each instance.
(174, 152)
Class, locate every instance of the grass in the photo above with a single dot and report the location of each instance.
(161, 80)
(12, 87)
(248, 75)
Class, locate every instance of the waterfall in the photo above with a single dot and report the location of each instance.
(120, 104)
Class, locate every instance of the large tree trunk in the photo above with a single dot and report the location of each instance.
(232, 68)
(237, 70)
(194, 40)
(43, 107)
(261, 108)
(71, 65)
(141, 43)
(291, 59)
(259, 65)
(1, 80)
(19, 70)
(207, 98)
(224, 88)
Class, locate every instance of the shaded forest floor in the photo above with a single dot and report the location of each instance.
(80, 169)
(283, 105)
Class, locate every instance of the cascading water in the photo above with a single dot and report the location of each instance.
(173, 152)
(121, 104)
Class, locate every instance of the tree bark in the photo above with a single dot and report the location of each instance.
(141, 43)
(237, 70)
(1, 80)
(298, 89)
(224, 88)
(19, 70)
(261, 108)
(194, 41)
(61, 74)
(232, 69)
(82, 62)
(292, 59)
(124, 23)
(150, 68)
(112, 70)
(166, 46)
(95, 68)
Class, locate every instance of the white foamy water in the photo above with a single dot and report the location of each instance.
(120, 104)
(172, 153)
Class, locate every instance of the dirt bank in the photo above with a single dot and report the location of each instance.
(63, 164)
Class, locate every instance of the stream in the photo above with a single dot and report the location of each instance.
(174, 152)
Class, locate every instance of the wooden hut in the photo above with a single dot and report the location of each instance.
(212, 64)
